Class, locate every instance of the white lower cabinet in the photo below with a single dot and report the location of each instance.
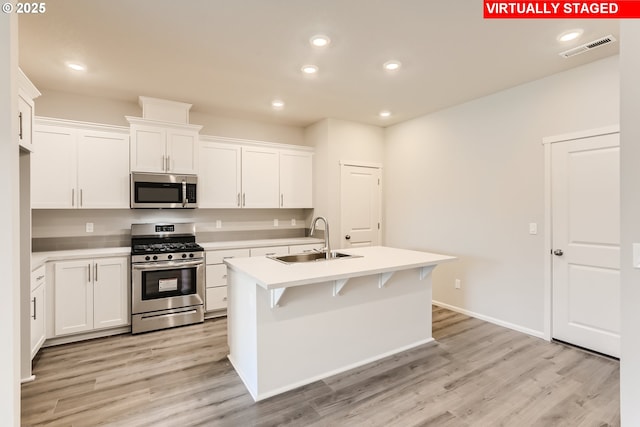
(299, 249)
(216, 279)
(91, 294)
(270, 251)
(38, 294)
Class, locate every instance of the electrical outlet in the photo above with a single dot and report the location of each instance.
(533, 228)
(293, 222)
(89, 227)
(218, 223)
(457, 285)
(275, 222)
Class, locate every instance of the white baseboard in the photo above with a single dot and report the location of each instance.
(528, 331)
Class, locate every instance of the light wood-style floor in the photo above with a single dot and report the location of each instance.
(476, 374)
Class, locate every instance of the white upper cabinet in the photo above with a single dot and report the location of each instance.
(53, 168)
(27, 92)
(77, 167)
(296, 179)
(245, 174)
(260, 177)
(163, 147)
(103, 173)
(219, 180)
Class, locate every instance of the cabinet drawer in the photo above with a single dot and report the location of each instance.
(272, 250)
(298, 249)
(37, 277)
(216, 298)
(217, 257)
(216, 275)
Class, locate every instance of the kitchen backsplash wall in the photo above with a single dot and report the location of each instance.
(63, 229)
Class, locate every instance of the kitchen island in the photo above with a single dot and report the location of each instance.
(293, 324)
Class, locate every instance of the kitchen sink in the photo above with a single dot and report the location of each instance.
(310, 257)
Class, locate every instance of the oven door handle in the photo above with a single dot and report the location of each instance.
(167, 265)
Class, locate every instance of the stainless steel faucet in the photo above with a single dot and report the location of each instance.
(327, 245)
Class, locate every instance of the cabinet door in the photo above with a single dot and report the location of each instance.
(53, 168)
(111, 292)
(296, 173)
(148, 149)
(73, 297)
(216, 275)
(182, 151)
(37, 318)
(25, 119)
(270, 251)
(219, 177)
(103, 170)
(260, 178)
(216, 298)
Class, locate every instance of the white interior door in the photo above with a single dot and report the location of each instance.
(360, 205)
(585, 181)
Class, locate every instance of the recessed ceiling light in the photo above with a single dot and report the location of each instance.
(570, 35)
(392, 65)
(309, 69)
(75, 66)
(320, 40)
(384, 114)
(277, 104)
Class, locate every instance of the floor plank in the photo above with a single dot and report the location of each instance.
(475, 374)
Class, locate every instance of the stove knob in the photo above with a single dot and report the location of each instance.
(170, 257)
(147, 258)
(155, 257)
(184, 255)
(190, 255)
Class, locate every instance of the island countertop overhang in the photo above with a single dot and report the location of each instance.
(271, 274)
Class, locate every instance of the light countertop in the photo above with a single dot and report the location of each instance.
(39, 258)
(272, 274)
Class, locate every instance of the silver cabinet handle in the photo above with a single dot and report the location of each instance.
(81, 202)
(89, 272)
(558, 252)
(164, 163)
(168, 163)
(95, 271)
(238, 199)
(244, 199)
(34, 308)
(73, 197)
(40, 278)
(20, 118)
(281, 200)
(224, 299)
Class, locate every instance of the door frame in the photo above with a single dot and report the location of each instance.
(371, 165)
(548, 232)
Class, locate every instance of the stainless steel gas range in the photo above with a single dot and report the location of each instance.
(167, 276)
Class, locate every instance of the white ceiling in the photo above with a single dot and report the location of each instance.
(231, 58)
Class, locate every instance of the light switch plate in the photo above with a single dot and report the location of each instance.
(89, 227)
(636, 255)
(293, 222)
(533, 228)
(275, 222)
(218, 223)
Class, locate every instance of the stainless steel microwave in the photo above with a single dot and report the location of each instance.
(163, 190)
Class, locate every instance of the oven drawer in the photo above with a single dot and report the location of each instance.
(217, 257)
(216, 298)
(216, 275)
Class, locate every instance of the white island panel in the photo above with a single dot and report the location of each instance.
(313, 334)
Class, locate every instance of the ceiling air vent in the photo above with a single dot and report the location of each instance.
(588, 46)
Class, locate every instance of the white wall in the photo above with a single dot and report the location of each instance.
(10, 220)
(69, 106)
(335, 140)
(468, 180)
(630, 224)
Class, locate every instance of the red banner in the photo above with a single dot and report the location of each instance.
(621, 9)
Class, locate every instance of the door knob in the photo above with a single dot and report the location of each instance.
(347, 237)
(558, 252)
